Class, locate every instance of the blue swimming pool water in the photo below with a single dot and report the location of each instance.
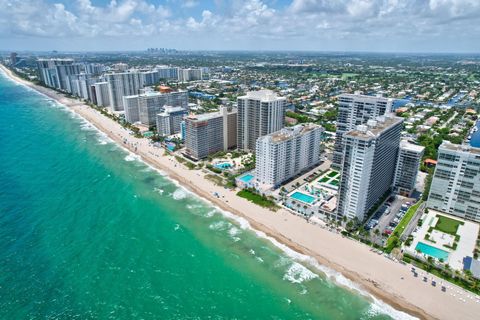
(223, 165)
(246, 178)
(302, 197)
(432, 251)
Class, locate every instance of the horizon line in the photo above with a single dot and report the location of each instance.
(243, 51)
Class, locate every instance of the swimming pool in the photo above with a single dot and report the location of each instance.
(246, 178)
(432, 251)
(223, 165)
(302, 197)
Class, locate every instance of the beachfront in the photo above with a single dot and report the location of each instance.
(390, 281)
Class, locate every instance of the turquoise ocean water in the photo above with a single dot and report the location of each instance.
(89, 232)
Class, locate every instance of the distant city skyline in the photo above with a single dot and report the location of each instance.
(436, 26)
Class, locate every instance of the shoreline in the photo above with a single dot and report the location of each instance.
(382, 278)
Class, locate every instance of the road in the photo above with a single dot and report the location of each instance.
(449, 120)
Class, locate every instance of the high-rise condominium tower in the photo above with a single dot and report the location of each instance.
(455, 187)
(353, 110)
(370, 157)
(259, 113)
(285, 153)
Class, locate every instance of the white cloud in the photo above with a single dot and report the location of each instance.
(302, 22)
(190, 3)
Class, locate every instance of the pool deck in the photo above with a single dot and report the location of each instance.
(468, 235)
(305, 196)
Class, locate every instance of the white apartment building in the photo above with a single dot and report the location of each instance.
(145, 107)
(168, 122)
(369, 160)
(285, 153)
(455, 187)
(120, 85)
(259, 113)
(167, 72)
(353, 110)
(54, 72)
(190, 74)
(101, 94)
(408, 163)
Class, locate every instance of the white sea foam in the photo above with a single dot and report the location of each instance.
(234, 232)
(219, 225)
(158, 190)
(179, 194)
(210, 213)
(103, 139)
(131, 157)
(193, 206)
(298, 273)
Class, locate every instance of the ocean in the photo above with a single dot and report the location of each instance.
(88, 231)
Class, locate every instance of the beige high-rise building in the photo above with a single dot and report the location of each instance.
(210, 132)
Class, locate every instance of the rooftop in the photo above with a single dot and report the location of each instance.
(411, 147)
(262, 95)
(447, 145)
(291, 132)
(358, 95)
(204, 116)
(374, 128)
(170, 109)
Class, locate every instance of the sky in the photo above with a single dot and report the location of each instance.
(436, 26)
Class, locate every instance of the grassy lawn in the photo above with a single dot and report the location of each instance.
(324, 179)
(334, 182)
(332, 174)
(448, 225)
(257, 199)
(403, 224)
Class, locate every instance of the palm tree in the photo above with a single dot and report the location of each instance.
(349, 224)
(474, 285)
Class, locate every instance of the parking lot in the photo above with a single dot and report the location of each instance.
(388, 216)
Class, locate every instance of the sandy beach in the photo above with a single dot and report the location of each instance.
(389, 281)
